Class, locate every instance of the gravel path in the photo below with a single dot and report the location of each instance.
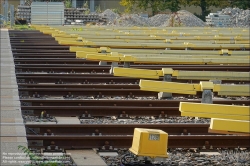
(145, 120)
(188, 157)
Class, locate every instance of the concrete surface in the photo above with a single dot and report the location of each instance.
(210, 153)
(12, 130)
(67, 120)
(86, 158)
(113, 154)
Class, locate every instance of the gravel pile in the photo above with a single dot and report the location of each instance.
(110, 15)
(187, 19)
(239, 17)
(188, 157)
(132, 20)
(145, 120)
(159, 20)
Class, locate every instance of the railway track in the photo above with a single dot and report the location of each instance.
(51, 79)
(114, 129)
(93, 79)
(101, 111)
(117, 102)
(109, 107)
(66, 68)
(81, 93)
(44, 55)
(85, 86)
(124, 141)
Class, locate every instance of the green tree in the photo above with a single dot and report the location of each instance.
(174, 5)
(67, 3)
(242, 4)
(204, 5)
(155, 5)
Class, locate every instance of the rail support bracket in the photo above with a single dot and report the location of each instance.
(207, 96)
(164, 95)
(216, 81)
(97, 132)
(113, 64)
(86, 115)
(126, 65)
(163, 115)
(107, 146)
(103, 63)
(123, 115)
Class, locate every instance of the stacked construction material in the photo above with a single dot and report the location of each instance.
(72, 15)
(218, 20)
(78, 16)
(23, 13)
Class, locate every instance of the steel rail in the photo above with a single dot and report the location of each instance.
(52, 61)
(28, 36)
(129, 102)
(35, 44)
(85, 86)
(96, 93)
(26, 41)
(92, 79)
(84, 92)
(53, 47)
(74, 79)
(125, 141)
(59, 61)
(36, 51)
(92, 86)
(100, 69)
(102, 111)
(175, 67)
(116, 129)
(44, 55)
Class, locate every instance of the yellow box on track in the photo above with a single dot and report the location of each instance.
(150, 142)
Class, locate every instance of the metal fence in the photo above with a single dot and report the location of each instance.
(5, 6)
(12, 15)
(8, 14)
(47, 13)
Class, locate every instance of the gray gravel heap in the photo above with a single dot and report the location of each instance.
(110, 15)
(132, 20)
(239, 17)
(189, 20)
(186, 18)
(159, 20)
